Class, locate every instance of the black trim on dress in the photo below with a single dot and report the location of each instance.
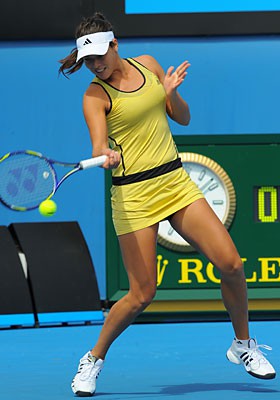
(148, 174)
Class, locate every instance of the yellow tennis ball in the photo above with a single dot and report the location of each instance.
(47, 208)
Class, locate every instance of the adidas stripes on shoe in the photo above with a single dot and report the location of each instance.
(84, 382)
(248, 353)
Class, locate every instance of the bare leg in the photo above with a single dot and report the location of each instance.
(199, 225)
(139, 257)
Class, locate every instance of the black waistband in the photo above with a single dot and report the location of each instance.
(149, 174)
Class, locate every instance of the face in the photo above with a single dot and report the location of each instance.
(102, 66)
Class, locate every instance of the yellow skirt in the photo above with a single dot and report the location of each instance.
(139, 205)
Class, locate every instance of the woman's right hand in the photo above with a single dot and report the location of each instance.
(113, 159)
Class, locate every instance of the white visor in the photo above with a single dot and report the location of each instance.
(94, 44)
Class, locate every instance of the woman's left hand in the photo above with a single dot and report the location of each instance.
(173, 79)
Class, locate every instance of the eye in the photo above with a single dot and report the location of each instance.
(92, 58)
(89, 59)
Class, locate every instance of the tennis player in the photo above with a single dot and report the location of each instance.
(125, 108)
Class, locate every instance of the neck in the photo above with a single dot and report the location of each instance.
(121, 71)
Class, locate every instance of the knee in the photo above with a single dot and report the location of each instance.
(232, 267)
(143, 298)
(146, 297)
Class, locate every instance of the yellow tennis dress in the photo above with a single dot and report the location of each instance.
(150, 183)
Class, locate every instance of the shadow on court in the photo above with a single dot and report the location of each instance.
(209, 387)
(196, 388)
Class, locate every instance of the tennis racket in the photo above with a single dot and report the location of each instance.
(27, 178)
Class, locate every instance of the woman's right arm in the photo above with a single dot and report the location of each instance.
(95, 105)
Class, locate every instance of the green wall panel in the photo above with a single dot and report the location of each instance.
(251, 162)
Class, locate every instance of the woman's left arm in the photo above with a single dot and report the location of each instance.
(176, 107)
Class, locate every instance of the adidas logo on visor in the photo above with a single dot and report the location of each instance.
(87, 41)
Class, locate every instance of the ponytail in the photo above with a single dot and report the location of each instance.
(69, 64)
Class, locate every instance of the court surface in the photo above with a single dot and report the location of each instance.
(148, 361)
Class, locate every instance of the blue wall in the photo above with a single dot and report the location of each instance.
(232, 87)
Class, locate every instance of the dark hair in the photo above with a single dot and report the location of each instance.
(96, 23)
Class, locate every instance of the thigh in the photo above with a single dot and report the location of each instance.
(139, 256)
(199, 225)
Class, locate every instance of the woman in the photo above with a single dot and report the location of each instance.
(125, 110)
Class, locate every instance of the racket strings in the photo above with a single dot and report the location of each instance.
(26, 180)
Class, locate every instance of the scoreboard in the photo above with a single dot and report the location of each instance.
(146, 18)
(198, 6)
(240, 178)
(140, 18)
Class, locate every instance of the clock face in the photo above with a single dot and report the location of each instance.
(218, 190)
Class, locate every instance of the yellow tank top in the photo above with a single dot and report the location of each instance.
(137, 125)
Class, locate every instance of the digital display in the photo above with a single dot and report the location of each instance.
(266, 203)
(165, 18)
(199, 6)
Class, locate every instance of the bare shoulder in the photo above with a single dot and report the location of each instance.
(146, 59)
(150, 63)
(95, 90)
(95, 96)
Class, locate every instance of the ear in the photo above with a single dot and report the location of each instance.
(116, 44)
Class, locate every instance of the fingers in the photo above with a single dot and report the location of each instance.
(169, 71)
(178, 75)
(181, 70)
(113, 159)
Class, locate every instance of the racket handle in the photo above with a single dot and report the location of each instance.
(93, 162)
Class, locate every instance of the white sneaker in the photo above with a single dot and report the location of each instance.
(248, 353)
(84, 382)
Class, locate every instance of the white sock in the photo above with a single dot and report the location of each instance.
(242, 341)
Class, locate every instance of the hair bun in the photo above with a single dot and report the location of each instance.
(99, 15)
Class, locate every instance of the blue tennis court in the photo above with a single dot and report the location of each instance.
(148, 361)
(47, 286)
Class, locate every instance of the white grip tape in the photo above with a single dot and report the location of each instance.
(93, 162)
